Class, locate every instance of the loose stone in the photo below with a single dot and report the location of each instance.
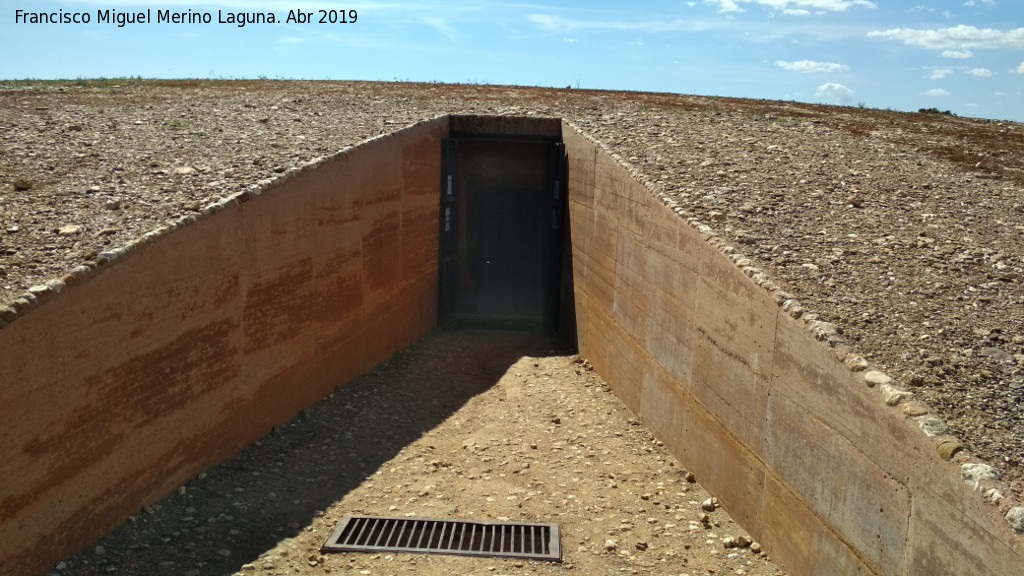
(914, 409)
(893, 395)
(974, 474)
(948, 448)
(857, 363)
(1015, 517)
(932, 427)
(875, 378)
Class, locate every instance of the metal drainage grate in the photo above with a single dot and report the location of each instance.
(538, 541)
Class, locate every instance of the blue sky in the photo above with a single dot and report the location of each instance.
(963, 55)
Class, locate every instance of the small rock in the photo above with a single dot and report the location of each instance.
(69, 230)
(1015, 517)
(709, 505)
(730, 542)
(641, 546)
(99, 550)
(40, 290)
(112, 204)
(857, 363)
(556, 420)
(893, 395)
(997, 355)
(810, 267)
(183, 170)
(689, 477)
(875, 378)
(8, 314)
(855, 200)
(932, 426)
(974, 474)
(914, 409)
(755, 547)
(948, 448)
(610, 545)
(22, 184)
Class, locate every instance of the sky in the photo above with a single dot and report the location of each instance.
(966, 56)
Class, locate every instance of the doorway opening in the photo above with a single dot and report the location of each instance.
(504, 255)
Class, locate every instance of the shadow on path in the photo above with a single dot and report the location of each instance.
(236, 511)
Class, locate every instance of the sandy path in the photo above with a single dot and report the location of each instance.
(463, 424)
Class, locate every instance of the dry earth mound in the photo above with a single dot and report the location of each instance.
(905, 230)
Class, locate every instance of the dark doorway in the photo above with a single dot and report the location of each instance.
(502, 231)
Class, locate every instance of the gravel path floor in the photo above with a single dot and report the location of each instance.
(463, 424)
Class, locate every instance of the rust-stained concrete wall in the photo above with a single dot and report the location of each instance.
(193, 344)
(197, 340)
(797, 448)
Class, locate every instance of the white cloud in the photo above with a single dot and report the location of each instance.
(940, 73)
(550, 22)
(1020, 69)
(442, 26)
(957, 54)
(956, 38)
(795, 12)
(936, 92)
(989, 3)
(980, 72)
(809, 66)
(836, 93)
(795, 7)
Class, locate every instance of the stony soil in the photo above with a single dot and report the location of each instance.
(471, 425)
(905, 230)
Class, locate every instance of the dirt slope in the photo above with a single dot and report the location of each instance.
(903, 229)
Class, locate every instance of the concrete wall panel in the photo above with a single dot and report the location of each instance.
(858, 499)
(190, 347)
(798, 449)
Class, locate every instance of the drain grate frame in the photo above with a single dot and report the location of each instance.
(524, 540)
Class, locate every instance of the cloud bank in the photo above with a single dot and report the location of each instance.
(810, 66)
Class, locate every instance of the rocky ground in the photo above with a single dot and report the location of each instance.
(905, 230)
(472, 425)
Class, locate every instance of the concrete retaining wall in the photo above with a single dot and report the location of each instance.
(797, 447)
(193, 343)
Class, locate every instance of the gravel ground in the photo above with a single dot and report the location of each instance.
(473, 425)
(905, 230)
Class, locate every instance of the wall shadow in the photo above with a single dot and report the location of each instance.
(236, 511)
